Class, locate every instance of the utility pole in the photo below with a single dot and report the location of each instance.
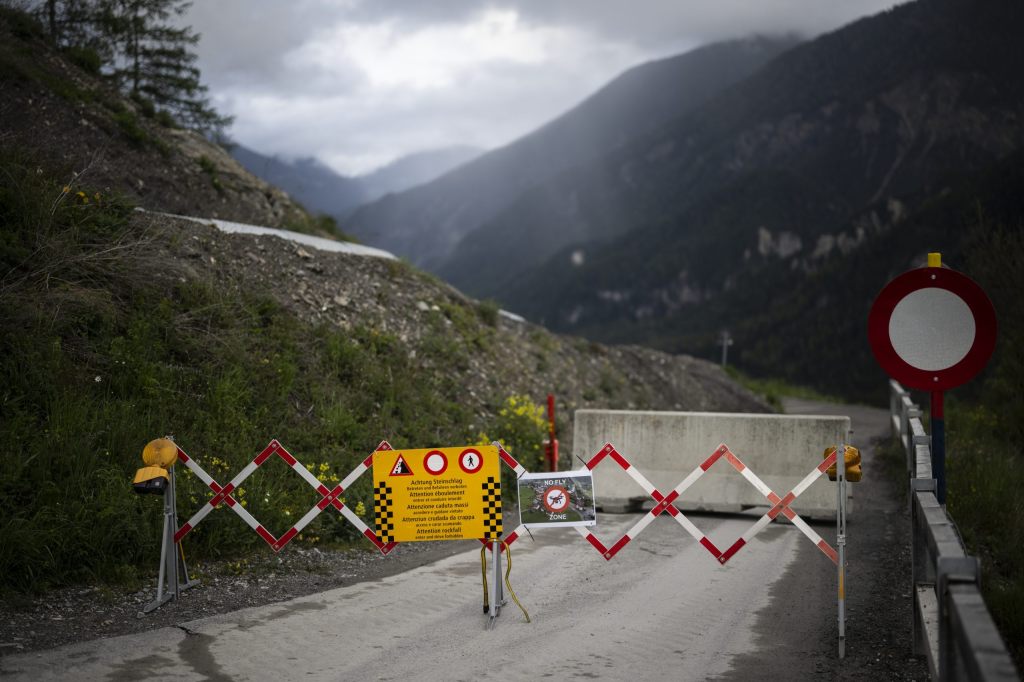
(725, 340)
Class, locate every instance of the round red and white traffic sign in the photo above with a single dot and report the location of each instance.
(556, 499)
(470, 461)
(932, 329)
(435, 462)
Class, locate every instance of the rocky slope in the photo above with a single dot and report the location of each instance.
(492, 354)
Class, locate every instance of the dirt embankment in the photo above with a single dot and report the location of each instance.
(490, 353)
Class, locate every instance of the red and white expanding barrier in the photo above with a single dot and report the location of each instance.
(331, 497)
(665, 503)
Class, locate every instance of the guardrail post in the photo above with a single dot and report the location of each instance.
(922, 570)
(908, 411)
(895, 394)
(951, 570)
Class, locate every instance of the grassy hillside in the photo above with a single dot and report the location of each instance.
(105, 345)
(117, 327)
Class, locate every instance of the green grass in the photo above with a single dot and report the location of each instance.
(210, 169)
(985, 460)
(104, 346)
(136, 134)
(985, 497)
(774, 390)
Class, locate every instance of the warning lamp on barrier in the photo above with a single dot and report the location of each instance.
(157, 477)
(159, 456)
(853, 470)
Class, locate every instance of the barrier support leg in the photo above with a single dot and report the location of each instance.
(841, 543)
(173, 571)
(497, 593)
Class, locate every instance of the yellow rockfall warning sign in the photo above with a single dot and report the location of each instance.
(437, 494)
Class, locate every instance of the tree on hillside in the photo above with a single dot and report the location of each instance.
(68, 21)
(142, 49)
(154, 60)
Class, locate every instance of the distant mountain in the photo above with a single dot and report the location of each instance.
(307, 180)
(427, 222)
(321, 190)
(747, 211)
(415, 169)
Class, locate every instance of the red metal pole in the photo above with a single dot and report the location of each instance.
(552, 449)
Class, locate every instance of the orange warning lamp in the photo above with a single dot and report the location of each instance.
(159, 456)
(853, 470)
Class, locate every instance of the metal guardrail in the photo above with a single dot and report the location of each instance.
(952, 626)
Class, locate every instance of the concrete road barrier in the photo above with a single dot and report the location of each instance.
(666, 446)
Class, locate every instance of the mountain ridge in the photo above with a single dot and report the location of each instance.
(757, 187)
(323, 190)
(427, 222)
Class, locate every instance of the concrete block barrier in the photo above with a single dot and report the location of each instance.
(667, 446)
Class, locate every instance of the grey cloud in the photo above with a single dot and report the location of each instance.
(249, 49)
(654, 23)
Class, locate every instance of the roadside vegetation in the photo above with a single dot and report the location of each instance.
(985, 429)
(774, 390)
(984, 461)
(984, 432)
(103, 347)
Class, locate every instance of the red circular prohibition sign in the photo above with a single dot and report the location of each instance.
(435, 462)
(936, 379)
(471, 464)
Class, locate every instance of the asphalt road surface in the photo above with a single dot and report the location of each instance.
(662, 608)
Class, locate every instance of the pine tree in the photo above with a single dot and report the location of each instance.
(153, 61)
(70, 23)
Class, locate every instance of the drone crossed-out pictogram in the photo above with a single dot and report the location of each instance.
(663, 503)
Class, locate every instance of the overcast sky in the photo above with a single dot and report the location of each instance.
(358, 83)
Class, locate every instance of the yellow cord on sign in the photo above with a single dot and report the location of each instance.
(483, 569)
(508, 550)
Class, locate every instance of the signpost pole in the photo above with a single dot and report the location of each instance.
(552, 446)
(841, 542)
(726, 340)
(497, 595)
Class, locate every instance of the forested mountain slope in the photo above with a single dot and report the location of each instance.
(753, 198)
(426, 223)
